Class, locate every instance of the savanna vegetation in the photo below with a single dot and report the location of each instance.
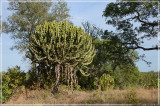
(80, 65)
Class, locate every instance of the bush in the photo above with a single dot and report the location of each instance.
(126, 76)
(12, 79)
(149, 79)
(85, 82)
(105, 82)
(41, 79)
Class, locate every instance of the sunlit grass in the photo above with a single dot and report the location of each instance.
(65, 96)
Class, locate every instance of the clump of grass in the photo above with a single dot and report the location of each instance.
(45, 95)
(57, 96)
(94, 94)
(94, 101)
(131, 97)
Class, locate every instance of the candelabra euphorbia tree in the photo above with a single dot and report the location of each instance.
(63, 46)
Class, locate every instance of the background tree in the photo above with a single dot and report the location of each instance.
(126, 75)
(109, 49)
(23, 21)
(21, 24)
(149, 79)
(27, 15)
(110, 55)
(92, 30)
(60, 11)
(125, 15)
(12, 79)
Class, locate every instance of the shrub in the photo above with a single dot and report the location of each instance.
(126, 76)
(42, 80)
(85, 82)
(105, 82)
(11, 81)
(149, 79)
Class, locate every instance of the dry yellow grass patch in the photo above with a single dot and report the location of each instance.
(144, 96)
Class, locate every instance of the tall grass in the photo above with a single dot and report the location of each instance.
(143, 96)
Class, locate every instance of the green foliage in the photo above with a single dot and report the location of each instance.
(31, 79)
(86, 82)
(63, 44)
(125, 76)
(12, 79)
(149, 79)
(92, 30)
(27, 15)
(109, 50)
(43, 81)
(122, 15)
(104, 82)
(78, 87)
(111, 54)
(60, 11)
(96, 83)
(22, 25)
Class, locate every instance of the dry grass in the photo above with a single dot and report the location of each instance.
(144, 96)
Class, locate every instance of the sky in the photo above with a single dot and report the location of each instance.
(80, 12)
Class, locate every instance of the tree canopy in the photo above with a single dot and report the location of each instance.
(61, 43)
(27, 15)
(64, 46)
(134, 22)
(109, 51)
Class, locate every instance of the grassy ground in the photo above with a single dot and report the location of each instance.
(134, 96)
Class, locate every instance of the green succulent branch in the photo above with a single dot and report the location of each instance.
(62, 45)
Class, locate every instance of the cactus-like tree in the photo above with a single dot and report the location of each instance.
(63, 46)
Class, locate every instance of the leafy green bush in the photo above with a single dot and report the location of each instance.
(105, 82)
(41, 79)
(126, 76)
(85, 82)
(149, 79)
(11, 80)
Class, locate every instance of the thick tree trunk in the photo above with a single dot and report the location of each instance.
(56, 86)
(38, 76)
(34, 66)
(42, 74)
(75, 80)
(66, 73)
(71, 69)
(68, 76)
(71, 77)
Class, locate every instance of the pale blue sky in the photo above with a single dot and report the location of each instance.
(79, 11)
